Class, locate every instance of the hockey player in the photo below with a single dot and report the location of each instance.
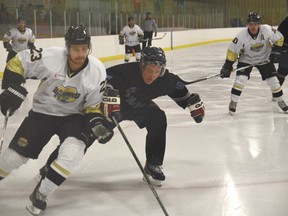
(132, 34)
(138, 84)
(252, 46)
(283, 59)
(18, 39)
(67, 104)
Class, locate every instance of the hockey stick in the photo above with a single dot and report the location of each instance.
(143, 40)
(217, 75)
(140, 166)
(3, 130)
(158, 38)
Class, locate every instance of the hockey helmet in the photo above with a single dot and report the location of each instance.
(253, 17)
(77, 35)
(155, 56)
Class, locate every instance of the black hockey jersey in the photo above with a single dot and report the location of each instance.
(283, 28)
(135, 93)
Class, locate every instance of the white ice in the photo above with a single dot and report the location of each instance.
(225, 166)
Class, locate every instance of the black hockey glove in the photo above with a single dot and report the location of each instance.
(8, 46)
(196, 107)
(12, 98)
(98, 128)
(121, 39)
(275, 54)
(110, 105)
(140, 38)
(226, 69)
(31, 45)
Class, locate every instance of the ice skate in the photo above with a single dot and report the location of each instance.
(42, 173)
(232, 107)
(154, 173)
(283, 106)
(38, 201)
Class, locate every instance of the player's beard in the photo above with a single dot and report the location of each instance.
(78, 61)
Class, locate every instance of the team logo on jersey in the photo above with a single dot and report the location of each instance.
(66, 94)
(256, 47)
(132, 33)
(22, 40)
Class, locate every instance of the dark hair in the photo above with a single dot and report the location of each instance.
(130, 18)
(20, 19)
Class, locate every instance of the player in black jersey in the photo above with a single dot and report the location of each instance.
(283, 58)
(138, 84)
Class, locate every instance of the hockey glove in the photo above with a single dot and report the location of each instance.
(275, 54)
(110, 105)
(98, 128)
(121, 39)
(140, 38)
(8, 46)
(226, 69)
(12, 98)
(196, 107)
(31, 45)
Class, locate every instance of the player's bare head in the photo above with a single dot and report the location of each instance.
(77, 35)
(152, 63)
(131, 21)
(148, 15)
(21, 23)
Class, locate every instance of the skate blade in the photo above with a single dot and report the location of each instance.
(154, 182)
(33, 210)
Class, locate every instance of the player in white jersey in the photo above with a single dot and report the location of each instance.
(67, 103)
(252, 46)
(133, 35)
(18, 39)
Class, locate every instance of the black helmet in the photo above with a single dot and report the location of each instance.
(155, 56)
(77, 35)
(253, 17)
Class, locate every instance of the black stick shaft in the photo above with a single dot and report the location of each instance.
(140, 166)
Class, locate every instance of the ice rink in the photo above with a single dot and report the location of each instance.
(225, 166)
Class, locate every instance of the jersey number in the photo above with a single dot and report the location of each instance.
(36, 54)
(103, 85)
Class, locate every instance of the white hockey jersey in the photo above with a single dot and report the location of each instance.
(254, 50)
(58, 94)
(19, 41)
(131, 35)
